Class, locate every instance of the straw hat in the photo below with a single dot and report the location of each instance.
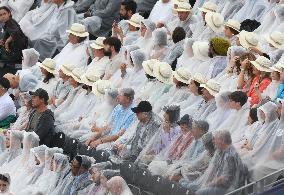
(208, 7)
(67, 69)
(262, 64)
(76, 74)
(182, 75)
(98, 43)
(163, 72)
(212, 86)
(90, 77)
(278, 66)
(99, 87)
(199, 78)
(248, 39)
(176, 2)
(276, 39)
(215, 21)
(200, 50)
(49, 65)
(234, 24)
(183, 7)
(135, 20)
(78, 30)
(148, 66)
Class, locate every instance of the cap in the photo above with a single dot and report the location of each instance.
(143, 106)
(41, 93)
(186, 119)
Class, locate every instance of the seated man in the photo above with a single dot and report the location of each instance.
(7, 107)
(41, 119)
(121, 118)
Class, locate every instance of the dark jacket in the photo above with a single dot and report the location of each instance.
(44, 128)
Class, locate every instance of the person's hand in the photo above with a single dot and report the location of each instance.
(89, 141)
(123, 66)
(245, 63)
(121, 132)
(7, 46)
(256, 87)
(160, 25)
(95, 128)
(87, 14)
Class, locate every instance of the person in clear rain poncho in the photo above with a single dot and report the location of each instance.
(19, 8)
(160, 44)
(30, 58)
(231, 7)
(117, 185)
(162, 12)
(82, 5)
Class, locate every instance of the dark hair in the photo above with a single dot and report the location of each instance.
(130, 5)
(249, 25)
(4, 82)
(6, 9)
(239, 96)
(253, 114)
(178, 34)
(235, 32)
(81, 39)
(79, 159)
(149, 77)
(199, 88)
(4, 178)
(113, 42)
(181, 84)
(87, 87)
(48, 77)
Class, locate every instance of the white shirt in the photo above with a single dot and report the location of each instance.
(98, 65)
(7, 106)
(162, 12)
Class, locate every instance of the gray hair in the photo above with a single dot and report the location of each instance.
(128, 92)
(202, 125)
(225, 136)
(113, 93)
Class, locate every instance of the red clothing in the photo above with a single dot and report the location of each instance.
(262, 86)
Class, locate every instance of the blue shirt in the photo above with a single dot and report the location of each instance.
(74, 183)
(121, 119)
(280, 91)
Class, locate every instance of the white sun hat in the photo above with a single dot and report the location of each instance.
(77, 73)
(212, 86)
(100, 87)
(248, 39)
(176, 2)
(67, 69)
(262, 64)
(200, 50)
(148, 66)
(135, 20)
(208, 7)
(78, 30)
(215, 21)
(90, 77)
(278, 66)
(183, 7)
(199, 78)
(182, 75)
(48, 64)
(234, 24)
(163, 72)
(276, 39)
(98, 43)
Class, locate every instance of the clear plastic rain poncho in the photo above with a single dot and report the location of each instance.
(162, 12)
(160, 44)
(30, 58)
(2, 144)
(82, 5)
(175, 51)
(263, 137)
(117, 185)
(186, 60)
(231, 7)
(204, 109)
(28, 82)
(19, 8)
(34, 20)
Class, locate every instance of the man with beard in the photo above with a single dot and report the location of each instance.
(112, 47)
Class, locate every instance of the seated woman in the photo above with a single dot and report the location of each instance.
(30, 58)
(5, 182)
(75, 51)
(160, 44)
(232, 29)
(14, 40)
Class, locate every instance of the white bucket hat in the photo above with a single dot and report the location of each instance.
(234, 24)
(163, 72)
(208, 7)
(276, 39)
(49, 65)
(212, 86)
(278, 66)
(200, 50)
(67, 69)
(78, 30)
(148, 66)
(215, 21)
(199, 78)
(182, 75)
(248, 39)
(183, 7)
(98, 43)
(176, 2)
(76, 74)
(262, 64)
(99, 87)
(90, 77)
(135, 20)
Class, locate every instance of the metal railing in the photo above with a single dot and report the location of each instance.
(261, 185)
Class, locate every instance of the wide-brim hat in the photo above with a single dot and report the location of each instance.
(262, 64)
(276, 39)
(76, 74)
(182, 75)
(208, 7)
(234, 24)
(278, 66)
(148, 66)
(183, 7)
(98, 43)
(78, 30)
(163, 72)
(248, 39)
(67, 69)
(215, 21)
(89, 79)
(200, 50)
(135, 20)
(212, 87)
(99, 87)
(49, 65)
(199, 78)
